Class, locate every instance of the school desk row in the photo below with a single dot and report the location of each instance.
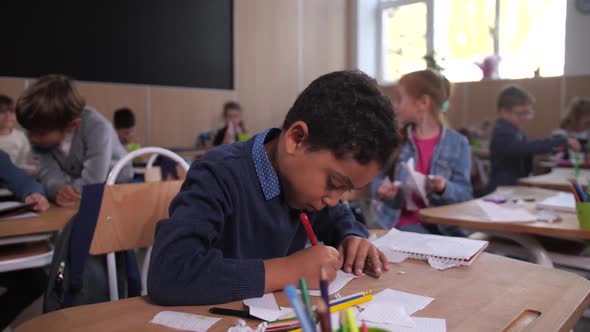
(492, 294)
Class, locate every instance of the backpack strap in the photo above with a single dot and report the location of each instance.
(133, 278)
(81, 237)
(167, 167)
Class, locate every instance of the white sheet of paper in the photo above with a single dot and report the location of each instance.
(497, 213)
(342, 279)
(417, 180)
(264, 307)
(410, 302)
(386, 313)
(422, 325)
(563, 202)
(184, 321)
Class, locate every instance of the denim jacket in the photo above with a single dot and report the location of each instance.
(451, 159)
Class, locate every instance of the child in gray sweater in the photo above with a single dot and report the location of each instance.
(76, 144)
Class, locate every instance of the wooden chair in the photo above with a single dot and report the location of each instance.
(129, 213)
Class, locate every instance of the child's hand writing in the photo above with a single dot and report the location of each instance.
(280, 272)
(67, 196)
(355, 251)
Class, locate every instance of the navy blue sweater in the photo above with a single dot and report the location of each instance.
(223, 224)
(512, 154)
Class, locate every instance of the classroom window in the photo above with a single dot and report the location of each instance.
(404, 39)
(458, 34)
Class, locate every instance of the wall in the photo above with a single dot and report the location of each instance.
(577, 41)
(280, 46)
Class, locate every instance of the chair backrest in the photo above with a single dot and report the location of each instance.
(129, 213)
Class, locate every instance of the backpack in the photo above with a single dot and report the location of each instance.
(76, 277)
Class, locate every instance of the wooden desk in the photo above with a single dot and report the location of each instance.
(51, 220)
(556, 179)
(469, 215)
(486, 296)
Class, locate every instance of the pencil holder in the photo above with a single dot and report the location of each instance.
(583, 211)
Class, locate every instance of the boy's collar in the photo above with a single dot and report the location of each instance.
(267, 176)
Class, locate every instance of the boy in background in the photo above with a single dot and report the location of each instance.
(76, 144)
(12, 141)
(234, 130)
(124, 122)
(510, 151)
(234, 230)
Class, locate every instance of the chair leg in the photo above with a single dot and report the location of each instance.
(112, 271)
(144, 270)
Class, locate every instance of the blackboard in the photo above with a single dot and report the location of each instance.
(167, 42)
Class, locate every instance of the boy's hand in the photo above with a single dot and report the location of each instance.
(42, 203)
(280, 272)
(355, 251)
(67, 196)
(436, 183)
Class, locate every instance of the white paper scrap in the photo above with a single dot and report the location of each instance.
(386, 313)
(184, 321)
(265, 307)
(342, 279)
(410, 302)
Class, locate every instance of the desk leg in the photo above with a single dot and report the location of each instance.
(530, 243)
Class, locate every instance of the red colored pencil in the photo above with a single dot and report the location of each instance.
(307, 225)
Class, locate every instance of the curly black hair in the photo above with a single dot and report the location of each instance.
(347, 114)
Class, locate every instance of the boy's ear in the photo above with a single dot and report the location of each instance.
(74, 124)
(296, 136)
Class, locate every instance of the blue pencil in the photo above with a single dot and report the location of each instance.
(583, 196)
(300, 312)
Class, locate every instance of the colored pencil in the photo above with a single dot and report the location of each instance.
(299, 309)
(305, 295)
(324, 285)
(351, 303)
(349, 298)
(307, 225)
(324, 316)
(353, 325)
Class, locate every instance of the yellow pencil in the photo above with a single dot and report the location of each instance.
(351, 303)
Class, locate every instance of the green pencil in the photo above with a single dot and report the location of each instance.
(305, 295)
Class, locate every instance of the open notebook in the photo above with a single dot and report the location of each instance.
(12, 210)
(436, 249)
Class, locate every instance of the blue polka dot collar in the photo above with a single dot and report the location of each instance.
(269, 181)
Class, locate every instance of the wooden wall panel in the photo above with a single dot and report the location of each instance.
(12, 87)
(324, 37)
(575, 86)
(266, 51)
(480, 101)
(106, 98)
(455, 116)
(179, 115)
